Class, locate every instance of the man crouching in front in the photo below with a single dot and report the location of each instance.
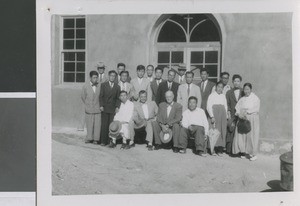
(119, 128)
(194, 124)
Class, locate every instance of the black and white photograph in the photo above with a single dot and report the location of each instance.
(171, 103)
(149, 102)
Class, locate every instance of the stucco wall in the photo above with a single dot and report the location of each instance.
(257, 46)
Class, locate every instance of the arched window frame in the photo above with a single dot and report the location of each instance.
(185, 47)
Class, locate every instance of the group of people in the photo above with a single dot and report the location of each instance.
(170, 111)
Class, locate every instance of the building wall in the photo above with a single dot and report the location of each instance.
(257, 46)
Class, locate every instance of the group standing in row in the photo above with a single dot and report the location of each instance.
(170, 111)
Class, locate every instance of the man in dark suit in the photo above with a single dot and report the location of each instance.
(166, 86)
(109, 104)
(168, 117)
(156, 82)
(121, 67)
(205, 88)
(232, 97)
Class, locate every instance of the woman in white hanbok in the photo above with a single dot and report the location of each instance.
(247, 108)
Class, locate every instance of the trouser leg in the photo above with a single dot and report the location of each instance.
(176, 133)
(183, 138)
(106, 120)
(156, 131)
(131, 130)
(89, 119)
(97, 126)
(149, 131)
(200, 139)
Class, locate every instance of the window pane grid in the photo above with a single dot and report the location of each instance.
(73, 49)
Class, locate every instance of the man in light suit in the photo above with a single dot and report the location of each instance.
(101, 69)
(155, 83)
(141, 83)
(187, 90)
(126, 86)
(205, 88)
(109, 104)
(145, 112)
(168, 117)
(149, 71)
(166, 86)
(121, 67)
(180, 78)
(90, 97)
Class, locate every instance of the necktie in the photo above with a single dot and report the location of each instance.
(169, 86)
(180, 81)
(101, 77)
(202, 86)
(188, 90)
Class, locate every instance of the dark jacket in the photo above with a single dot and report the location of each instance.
(109, 97)
(232, 101)
(163, 88)
(204, 94)
(154, 88)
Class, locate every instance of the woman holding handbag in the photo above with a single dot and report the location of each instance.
(217, 110)
(247, 131)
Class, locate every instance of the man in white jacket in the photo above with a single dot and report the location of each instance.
(194, 123)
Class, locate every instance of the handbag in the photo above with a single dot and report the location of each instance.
(243, 126)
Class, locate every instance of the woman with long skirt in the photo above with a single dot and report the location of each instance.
(247, 108)
(217, 110)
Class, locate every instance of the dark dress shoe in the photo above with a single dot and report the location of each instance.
(201, 153)
(150, 147)
(88, 141)
(112, 145)
(95, 142)
(175, 150)
(124, 146)
(157, 147)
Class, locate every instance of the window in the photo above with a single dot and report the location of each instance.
(193, 39)
(73, 53)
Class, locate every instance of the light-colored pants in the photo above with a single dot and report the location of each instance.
(93, 126)
(124, 133)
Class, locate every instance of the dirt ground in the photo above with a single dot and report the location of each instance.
(79, 168)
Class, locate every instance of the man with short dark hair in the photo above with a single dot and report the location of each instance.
(121, 67)
(165, 86)
(90, 97)
(224, 79)
(156, 82)
(149, 71)
(123, 116)
(187, 90)
(125, 85)
(205, 88)
(232, 97)
(144, 114)
(194, 123)
(141, 83)
(109, 104)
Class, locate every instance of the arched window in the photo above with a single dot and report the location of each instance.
(193, 39)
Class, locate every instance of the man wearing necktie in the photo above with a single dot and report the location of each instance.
(165, 86)
(149, 71)
(125, 85)
(121, 67)
(158, 79)
(141, 83)
(205, 88)
(109, 104)
(90, 97)
(168, 117)
(187, 90)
